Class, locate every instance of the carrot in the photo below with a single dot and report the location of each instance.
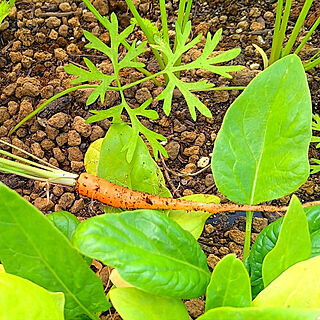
(117, 196)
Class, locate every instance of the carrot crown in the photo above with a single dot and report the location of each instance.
(42, 171)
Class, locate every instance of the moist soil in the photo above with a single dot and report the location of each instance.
(40, 37)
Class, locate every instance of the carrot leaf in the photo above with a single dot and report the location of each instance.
(204, 61)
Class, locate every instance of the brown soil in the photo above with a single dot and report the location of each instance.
(36, 41)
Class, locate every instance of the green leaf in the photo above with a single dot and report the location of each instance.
(22, 299)
(261, 151)
(297, 287)
(193, 221)
(149, 250)
(141, 174)
(267, 240)
(227, 313)
(173, 68)
(66, 222)
(45, 256)
(134, 304)
(92, 75)
(293, 244)
(4, 10)
(92, 156)
(229, 285)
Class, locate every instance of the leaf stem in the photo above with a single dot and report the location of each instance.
(247, 240)
(146, 31)
(297, 27)
(58, 95)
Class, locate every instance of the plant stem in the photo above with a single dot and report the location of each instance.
(308, 35)
(146, 31)
(164, 21)
(187, 14)
(297, 27)
(247, 241)
(275, 41)
(58, 95)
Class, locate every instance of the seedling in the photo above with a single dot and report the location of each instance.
(279, 49)
(170, 70)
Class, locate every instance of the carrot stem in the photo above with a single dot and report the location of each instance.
(118, 196)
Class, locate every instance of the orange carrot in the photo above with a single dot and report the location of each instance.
(113, 195)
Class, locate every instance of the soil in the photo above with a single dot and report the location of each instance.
(40, 37)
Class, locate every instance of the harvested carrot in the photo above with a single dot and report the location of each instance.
(117, 196)
(111, 194)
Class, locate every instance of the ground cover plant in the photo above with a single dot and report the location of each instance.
(161, 262)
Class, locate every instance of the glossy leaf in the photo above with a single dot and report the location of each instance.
(66, 222)
(261, 151)
(22, 299)
(227, 313)
(267, 240)
(297, 287)
(229, 285)
(134, 304)
(91, 158)
(149, 250)
(293, 244)
(46, 257)
(141, 174)
(193, 221)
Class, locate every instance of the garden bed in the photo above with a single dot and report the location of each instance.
(39, 38)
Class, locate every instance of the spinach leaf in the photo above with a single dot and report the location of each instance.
(46, 257)
(193, 221)
(141, 174)
(297, 287)
(22, 299)
(261, 151)
(227, 313)
(293, 244)
(229, 285)
(134, 304)
(266, 241)
(148, 249)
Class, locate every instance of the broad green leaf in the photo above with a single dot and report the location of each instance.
(267, 240)
(141, 174)
(22, 299)
(92, 156)
(297, 287)
(261, 151)
(193, 221)
(227, 313)
(173, 67)
(229, 285)
(134, 304)
(45, 256)
(149, 250)
(293, 244)
(66, 222)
